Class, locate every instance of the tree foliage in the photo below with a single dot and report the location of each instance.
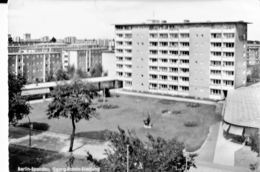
(61, 75)
(53, 39)
(157, 154)
(72, 101)
(18, 106)
(96, 70)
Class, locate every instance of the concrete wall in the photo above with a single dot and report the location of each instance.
(73, 59)
(109, 63)
(199, 62)
(240, 55)
(140, 59)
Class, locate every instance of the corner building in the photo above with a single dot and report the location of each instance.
(194, 59)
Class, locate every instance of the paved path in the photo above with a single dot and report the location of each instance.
(60, 143)
(210, 167)
(225, 150)
(120, 91)
(207, 151)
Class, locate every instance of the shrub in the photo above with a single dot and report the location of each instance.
(176, 112)
(36, 126)
(108, 106)
(165, 110)
(190, 124)
(193, 105)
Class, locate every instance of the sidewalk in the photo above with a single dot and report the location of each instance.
(120, 91)
(225, 150)
(60, 143)
(207, 151)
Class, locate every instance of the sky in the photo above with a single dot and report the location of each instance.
(96, 18)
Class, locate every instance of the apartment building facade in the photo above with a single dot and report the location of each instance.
(82, 57)
(196, 59)
(253, 52)
(35, 62)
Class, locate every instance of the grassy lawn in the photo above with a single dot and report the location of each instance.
(168, 119)
(25, 157)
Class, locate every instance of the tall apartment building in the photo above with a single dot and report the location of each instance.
(82, 56)
(70, 39)
(197, 59)
(253, 52)
(35, 62)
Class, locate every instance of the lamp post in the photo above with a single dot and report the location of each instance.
(185, 155)
(30, 131)
(127, 158)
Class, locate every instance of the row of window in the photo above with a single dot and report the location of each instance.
(168, 69)
(222, 35)
(166, 78)
(218, 72)
(224, 44)
(224, 63)
(155, 86)
(222, 82)
(223, 54)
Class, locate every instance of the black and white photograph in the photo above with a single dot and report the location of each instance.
(131, 85)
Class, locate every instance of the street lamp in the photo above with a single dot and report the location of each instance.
(185, 155)
(30, 131)
(127, 158)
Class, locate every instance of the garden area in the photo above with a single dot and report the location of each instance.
(188, 122)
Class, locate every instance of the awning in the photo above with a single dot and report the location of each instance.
(236, 130)
(35, 92)
(225, 126)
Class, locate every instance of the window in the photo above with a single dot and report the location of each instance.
(173, 69)
(229, 45)
(153, 60)
(173, 52)
(173, 44)
(163, 69)
(151, 76)
(185, 44)
(184, 35)
(184, 79)
(184, 88)
(216, 44)
(153, 35)
(163, 86)
(216, 53)
(184, 53)
(153, 86)
(173, 87)
(173, 35)
(163, 35)
(164, 60)
(128, 83)
(215, 92)
(163, 77)
(216, 35)
(228, 54)
(215, 81)
(229, 35)
(215, 72)
(228, 82)
(153, 68)
(173, 78)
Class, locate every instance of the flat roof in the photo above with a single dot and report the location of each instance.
(184, 23)
(55, 83)
(243, 106)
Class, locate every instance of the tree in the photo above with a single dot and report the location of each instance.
(61, 75)
(10, 40)
(18, 106)
(97, 70)
(53, 39)
(72, 101)
(81, 74)
(155, 155)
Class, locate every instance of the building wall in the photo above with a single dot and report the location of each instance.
(199, 62)
(240, 56)
(109, 63)
(140, 75)
(73, 59)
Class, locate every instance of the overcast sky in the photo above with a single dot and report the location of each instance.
(95, 18)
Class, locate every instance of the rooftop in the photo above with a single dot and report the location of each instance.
(243, 106)
(186, 22)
